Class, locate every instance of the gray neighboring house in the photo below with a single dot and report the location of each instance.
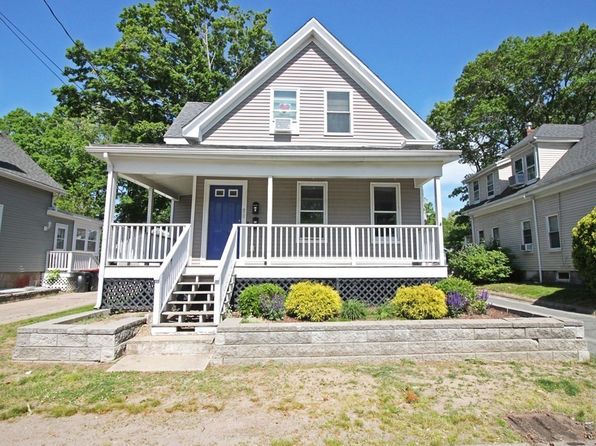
(34, 235)
(530, 199)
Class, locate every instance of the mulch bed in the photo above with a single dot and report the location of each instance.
(546, 428)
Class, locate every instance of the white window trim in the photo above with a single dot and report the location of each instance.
(1, 215)
(558, 278)
(550, 248)
(60, 226)
(522, 158)
(472, 199)
(299, 185)
(295, 127)
(523, 242)
(492, 176)
(397, 196)
(492, 233)
(87, 230)
(351, 105)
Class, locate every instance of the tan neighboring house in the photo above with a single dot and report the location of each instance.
(529, 200)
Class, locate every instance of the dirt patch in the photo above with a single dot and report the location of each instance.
(546, 428)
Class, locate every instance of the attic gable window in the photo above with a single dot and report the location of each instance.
(490, 184)
(531, 166)
(284, 111)
(338, 112)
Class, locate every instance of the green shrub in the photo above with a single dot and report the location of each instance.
(272, 306)
(583, 247)
(52, 276)
(420, 302)
(313, 301)
(249, 300)
(387, 311)
(353, 310)
(456, 285)
(478, 264)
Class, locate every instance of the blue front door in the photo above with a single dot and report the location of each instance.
(225, 209)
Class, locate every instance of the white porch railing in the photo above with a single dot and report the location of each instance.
(170, 271)
(340, 244)
(69, 261)
(223, 274)
(142, 242)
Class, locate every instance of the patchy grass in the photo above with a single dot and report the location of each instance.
(555, 293)
(404, 402)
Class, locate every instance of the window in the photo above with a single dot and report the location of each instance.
(526, 232)
(312, 203)
(496, 237)
(530, 166)
(490, 184)
(86, 240)
(519, 171)
(552, 226)
(475, 192)
(338, 112)
(81, 239)
(1, 213)
(385, 202)
(284, 104)
(480, 236)
(60, 235)
(563, 276)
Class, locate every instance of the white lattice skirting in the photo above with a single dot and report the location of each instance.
(65, 282)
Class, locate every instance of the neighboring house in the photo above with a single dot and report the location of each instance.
(531, 198)
(310, 167)
(34, 235)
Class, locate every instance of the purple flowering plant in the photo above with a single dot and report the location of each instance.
(456, 303)
(272, 306)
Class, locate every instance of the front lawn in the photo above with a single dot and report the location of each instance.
(547, 293)
(404, 402)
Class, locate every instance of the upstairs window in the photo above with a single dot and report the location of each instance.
(490, 184)
(312, 203)
(526, 233)
(554, 238)
(525, 168)
(531, 166)
(475, 192)
(519, 171)
(284, 111)
(338, 112)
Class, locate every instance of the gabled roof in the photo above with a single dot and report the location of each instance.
(190, 111)
(312, 31)
(552, 132)
(16, 165)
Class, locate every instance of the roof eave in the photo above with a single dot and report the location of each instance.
(33, 183)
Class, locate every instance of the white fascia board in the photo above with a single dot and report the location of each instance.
(176, 140)
(32, 183)
(341, 55)
(148, 184)
(78, 218)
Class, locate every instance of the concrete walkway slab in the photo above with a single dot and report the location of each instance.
(161, 363)
(27, 309)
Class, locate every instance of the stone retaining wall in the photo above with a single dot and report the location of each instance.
(62, 339)
(543, 339)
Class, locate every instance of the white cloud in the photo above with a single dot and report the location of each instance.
(453, 175)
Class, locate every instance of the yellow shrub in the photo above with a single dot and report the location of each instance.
(420, 302)
(312, 301)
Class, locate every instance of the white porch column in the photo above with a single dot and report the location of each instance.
(269, 217)
(108, 218)
(439, 217)
(172, 204)
(149, 204)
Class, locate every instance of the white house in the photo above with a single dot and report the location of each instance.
(531, 198)
(309, 167)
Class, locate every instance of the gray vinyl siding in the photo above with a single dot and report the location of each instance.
(311, 71)
(23, 242)
(348, 202)
(182, 209)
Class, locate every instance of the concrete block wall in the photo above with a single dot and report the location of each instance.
(544, 339)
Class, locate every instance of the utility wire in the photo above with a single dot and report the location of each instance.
(31, 49)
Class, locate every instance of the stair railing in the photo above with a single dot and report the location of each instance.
(170, 272)
(224, 274)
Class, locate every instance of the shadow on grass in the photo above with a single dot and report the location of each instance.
(568, 295)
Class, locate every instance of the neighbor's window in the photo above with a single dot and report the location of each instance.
(285, 104)
(312, 201)
(475, 191)
(60, 237)
(385, 203)
(554, 239)
(338, 112)
(496, 237)
(92, 241)
(519, 171)
(530, 166)
(526, 232)
(481, 236)
(86, 240)
(490, 184)
(81, 239)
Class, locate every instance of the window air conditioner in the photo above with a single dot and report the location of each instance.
(282, 125)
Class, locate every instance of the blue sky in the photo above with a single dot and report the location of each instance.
(418, 47)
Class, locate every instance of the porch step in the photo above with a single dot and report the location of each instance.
(170, 345)
(195, 283)
(184, 324)
(191, 302)
(193, 292)
(187, 313)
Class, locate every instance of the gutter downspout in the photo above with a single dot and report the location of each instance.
(537, 238)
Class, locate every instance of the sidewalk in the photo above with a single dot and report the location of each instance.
(26, 309)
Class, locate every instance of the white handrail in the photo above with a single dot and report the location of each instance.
(69, 261)
(169, 272)
(142, 242)
(224, 272)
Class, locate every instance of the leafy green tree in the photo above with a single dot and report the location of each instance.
(544, 79)
(583, 247)
(456, 228)
(169, 52)
(430, 216)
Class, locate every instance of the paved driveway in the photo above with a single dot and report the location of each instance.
(588, 320)
(39, 306)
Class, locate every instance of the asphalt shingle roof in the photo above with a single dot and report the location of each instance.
(190, 111)
(15, 162)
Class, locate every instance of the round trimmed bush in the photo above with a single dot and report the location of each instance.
(353, 310)
(313, 301)
(583, 248)
(456, 285)
(420, 302)
(478, 264)
(249, 300)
